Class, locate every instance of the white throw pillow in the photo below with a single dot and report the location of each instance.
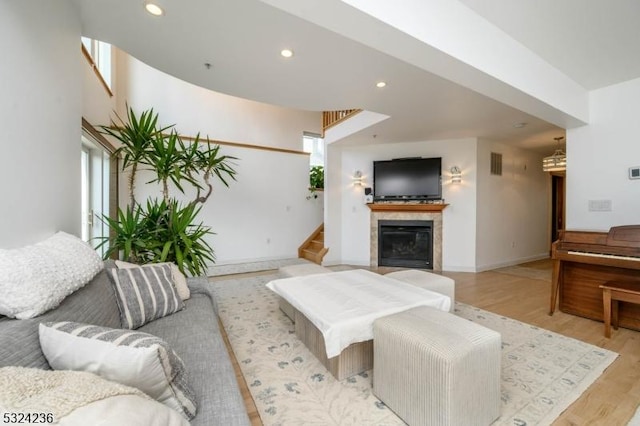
(36, 278)
(179, 280)
(127, 357)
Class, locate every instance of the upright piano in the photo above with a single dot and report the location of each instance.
(583, 260)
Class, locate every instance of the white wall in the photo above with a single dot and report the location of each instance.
(333, 204)
(265, 214)
(40, 106)
(513, 209)
(599, 156)
(194, 109)
(97, 105)
(354, 216)
(490, 221)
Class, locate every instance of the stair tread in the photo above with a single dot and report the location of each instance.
(308, 250)
(314, 249)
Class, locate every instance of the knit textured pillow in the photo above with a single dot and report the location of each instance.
(36, 278)
(131, 358)
(145, 294)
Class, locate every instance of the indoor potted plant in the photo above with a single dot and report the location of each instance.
(316, 181)
(164, 230)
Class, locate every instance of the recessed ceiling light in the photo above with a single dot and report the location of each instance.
(153, 9)
(519, 125)
(287, 53)
(381, 84)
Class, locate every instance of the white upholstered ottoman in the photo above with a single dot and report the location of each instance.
(297, 271)
(429, 281)
(435, 368)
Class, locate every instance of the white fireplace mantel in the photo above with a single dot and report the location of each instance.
(406, 207)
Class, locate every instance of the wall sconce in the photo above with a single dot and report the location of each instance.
(357, 178)
(456, 174)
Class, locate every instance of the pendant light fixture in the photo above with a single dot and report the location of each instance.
(556, 162)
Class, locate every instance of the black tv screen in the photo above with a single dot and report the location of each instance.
(407, 179)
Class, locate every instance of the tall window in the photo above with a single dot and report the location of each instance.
(99, 172)
(85, 183)
(314, 145)
(100, 53)
(96, 166)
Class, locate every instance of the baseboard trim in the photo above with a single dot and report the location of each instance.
(251, 265)
(347, 262)
(512, 262)
(453, 268)
(221, 268)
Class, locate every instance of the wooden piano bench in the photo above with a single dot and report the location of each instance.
(612, 293)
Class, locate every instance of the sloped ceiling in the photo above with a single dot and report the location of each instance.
(596, 43)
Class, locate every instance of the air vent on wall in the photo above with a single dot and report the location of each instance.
(496, 164)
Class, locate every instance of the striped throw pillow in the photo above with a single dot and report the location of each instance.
(145, 294)
(179, 279)
(131, 358)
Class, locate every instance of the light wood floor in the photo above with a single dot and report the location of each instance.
(611, 400)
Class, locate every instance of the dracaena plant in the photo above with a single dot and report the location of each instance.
(135, 136)
(165, 230)
(183, 239)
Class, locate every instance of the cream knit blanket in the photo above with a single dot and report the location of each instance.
(57, 392)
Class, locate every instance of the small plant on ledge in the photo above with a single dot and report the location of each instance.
(164, 230)
(316, 181)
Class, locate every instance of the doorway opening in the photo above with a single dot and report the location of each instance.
(557, 205)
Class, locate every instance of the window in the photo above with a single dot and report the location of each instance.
(84, 188)
(314, 145)
(99, 172)
(100, 54)
(96, 166)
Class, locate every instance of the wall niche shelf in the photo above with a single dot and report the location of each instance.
(406, 207)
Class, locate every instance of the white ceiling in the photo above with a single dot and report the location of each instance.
(593, 42)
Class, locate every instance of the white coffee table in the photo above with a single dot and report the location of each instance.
(334, 313)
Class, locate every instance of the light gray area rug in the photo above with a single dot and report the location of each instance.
(542, 372)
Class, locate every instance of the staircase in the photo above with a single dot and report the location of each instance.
(313, 248)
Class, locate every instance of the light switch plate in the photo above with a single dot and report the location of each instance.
(599, 205)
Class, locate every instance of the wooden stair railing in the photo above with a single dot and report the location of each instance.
(313, 248)
(331, 118)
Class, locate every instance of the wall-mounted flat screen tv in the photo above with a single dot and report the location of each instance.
(407, 179)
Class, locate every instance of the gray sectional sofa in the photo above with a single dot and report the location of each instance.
(193, 333)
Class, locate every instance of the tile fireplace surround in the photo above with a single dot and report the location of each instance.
(407, 211)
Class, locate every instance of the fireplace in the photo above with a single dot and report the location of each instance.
(405, 243)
